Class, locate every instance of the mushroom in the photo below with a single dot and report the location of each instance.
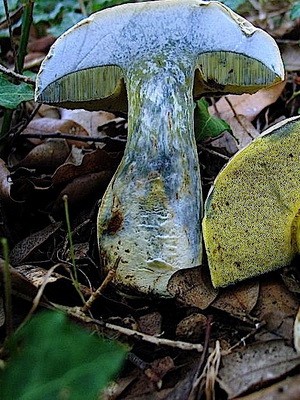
(252, 214)
(163, 52)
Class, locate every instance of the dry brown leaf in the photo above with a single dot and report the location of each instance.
(192, 328)
(238, 300)
(95, 161)
(20, 284)
(256, 364)
(242, 130)
(48, 155)
(193, 287)
(49, 126)
(83, 187)
(90, 120)
(277, 306)
(150, 323)
(249, 105)
(56, 283)
(288, 389)
(26, 246)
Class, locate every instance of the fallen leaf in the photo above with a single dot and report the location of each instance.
(277, 306)
(91, 162)
(238, 300)
(249, 105)
(48, 155)
(288, 389)
(150, 323)
(193, 287)
(256, 365)
(192, 328)
(89, 120)
(83, 187)
(26, 246)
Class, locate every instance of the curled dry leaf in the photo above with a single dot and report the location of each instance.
(257, 364)
(95, 161)
(89, 120)
(83, 187)
(48, 126)
(193, 287)
(48, 155)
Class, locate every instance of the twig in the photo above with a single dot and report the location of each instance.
(215, 153)
(109, 277)
(243, 339)
(17, 76)
(79, 138)
(77, 314)
(7, 289)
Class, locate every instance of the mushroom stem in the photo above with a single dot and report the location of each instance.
(150, 213)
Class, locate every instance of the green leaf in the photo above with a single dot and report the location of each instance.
(295, 11)
(52, 358)
(12, 95)
(206, 125)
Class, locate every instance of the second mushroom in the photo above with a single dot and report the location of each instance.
(167, 53)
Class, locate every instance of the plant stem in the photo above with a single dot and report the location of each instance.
(26, 24)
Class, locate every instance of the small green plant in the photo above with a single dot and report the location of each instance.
(52, 358)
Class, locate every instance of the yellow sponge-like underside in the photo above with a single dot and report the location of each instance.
(251, 223)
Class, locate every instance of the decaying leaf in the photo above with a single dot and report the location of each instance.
(26, 246)
(90, 162)
(249, 105)
(258, 364)
(49, 154)
(193, 287)
(287, 389)
(277, 307)
(5, 184)
(192, 328)
(238, 300)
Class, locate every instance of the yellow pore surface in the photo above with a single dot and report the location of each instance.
(251, 215)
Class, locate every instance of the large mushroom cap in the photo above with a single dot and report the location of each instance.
(251, 223)
(85, 66)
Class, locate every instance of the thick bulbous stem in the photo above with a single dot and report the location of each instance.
(150, 214)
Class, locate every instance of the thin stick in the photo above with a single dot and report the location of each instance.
(78, 138)
(17, 76)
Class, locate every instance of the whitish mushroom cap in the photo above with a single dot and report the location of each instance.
(252, 214)
(88, 61)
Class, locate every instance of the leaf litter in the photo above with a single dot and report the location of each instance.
(251, 330)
